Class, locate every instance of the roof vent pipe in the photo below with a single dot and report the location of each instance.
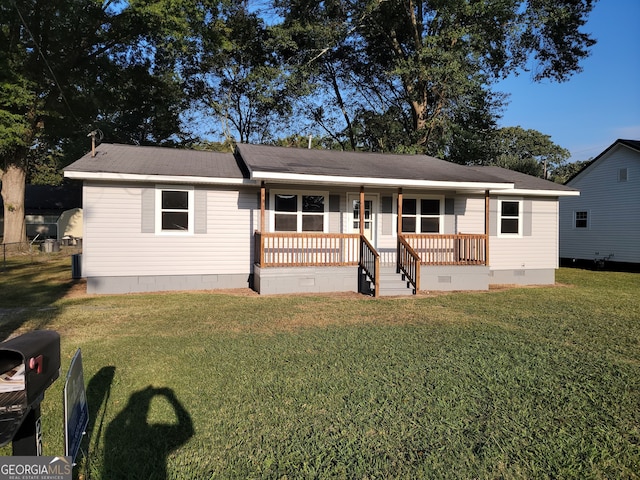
(93, 142)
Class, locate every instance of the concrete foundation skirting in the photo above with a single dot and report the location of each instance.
(447, 278)
(546, 276)
(274, 280)
(161, 283)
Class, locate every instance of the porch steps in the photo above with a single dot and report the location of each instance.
(391, 283)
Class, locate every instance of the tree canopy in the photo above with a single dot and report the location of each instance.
(528, 151)
(392, 75)
(427, 66)
(71, 66)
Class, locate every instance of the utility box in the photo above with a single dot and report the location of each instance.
(29, 364)
(76, 266)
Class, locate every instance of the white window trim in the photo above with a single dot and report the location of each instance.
(575, 212)
(299, 194)
(190, 211)
(418, 216)
(520, 203)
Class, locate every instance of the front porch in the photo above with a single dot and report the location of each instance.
(293, 262)
(326, 262)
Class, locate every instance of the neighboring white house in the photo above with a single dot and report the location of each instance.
(603, 223)
(285, 220)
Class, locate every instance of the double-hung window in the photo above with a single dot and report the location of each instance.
(510, 218)
(582, 219)
(299, 212)
(422, 215)
(174, 210)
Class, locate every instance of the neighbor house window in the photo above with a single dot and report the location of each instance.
(299, 212)
(510, 217)
(175, 210)
(622, 174)
(582, 220)
(421, 215)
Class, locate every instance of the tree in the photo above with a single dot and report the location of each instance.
(528, 151)
(567, 171)
(70, 66)
(242, 82)
(432, 59)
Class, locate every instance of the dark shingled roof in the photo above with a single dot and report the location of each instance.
(522, 181)
(128, 159)
(299, 161)
(631, 143)
(260, 160)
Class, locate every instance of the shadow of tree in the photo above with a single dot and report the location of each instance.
(137, 449)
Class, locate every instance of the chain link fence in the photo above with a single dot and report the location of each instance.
(37, 252)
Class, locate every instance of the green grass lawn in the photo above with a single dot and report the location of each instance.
(513, 383)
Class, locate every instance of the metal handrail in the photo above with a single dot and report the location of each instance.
(409, 263)
(370, 263)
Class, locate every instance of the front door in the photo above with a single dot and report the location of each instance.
(370, 205)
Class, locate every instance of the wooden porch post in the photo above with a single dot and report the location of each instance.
(362, 210)
(486, 227)
(262, 206)
(399, 230)
(399, 211)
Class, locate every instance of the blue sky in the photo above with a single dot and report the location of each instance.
(597, 106)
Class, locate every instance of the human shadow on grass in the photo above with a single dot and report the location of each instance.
(137, 449)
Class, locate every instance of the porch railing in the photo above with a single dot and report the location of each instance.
(449, 249)
(341, 249)
(306, 249)
(370, 263)
(415, 250)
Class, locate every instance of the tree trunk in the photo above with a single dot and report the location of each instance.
(13, 188)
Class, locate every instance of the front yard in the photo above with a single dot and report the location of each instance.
(513, 383)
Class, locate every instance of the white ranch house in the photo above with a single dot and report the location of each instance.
(285, 220)
(602, 226)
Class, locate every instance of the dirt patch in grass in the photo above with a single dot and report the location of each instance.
(79, 290)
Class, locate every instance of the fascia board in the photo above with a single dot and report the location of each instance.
(130, 177)
(537, 193)
(369, 181)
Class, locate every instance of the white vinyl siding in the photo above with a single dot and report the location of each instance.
(114, 244)
(470, 214)
(613, 209)
(537, 248)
